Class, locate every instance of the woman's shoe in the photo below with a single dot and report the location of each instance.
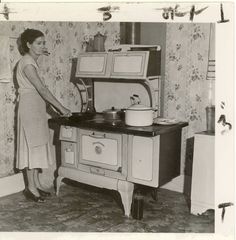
(43, 193)
(29, 195)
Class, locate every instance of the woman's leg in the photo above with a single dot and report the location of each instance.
(38, 185)
(31, 183)
(36, 179)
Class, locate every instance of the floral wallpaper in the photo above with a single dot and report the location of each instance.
(185, 86)
(55, 71)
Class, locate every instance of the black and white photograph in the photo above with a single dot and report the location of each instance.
(117, 118)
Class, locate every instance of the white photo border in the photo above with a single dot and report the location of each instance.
(134, 11)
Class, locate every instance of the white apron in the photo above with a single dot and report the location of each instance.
(33, 149)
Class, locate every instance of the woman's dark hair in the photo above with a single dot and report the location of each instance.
(28, 36)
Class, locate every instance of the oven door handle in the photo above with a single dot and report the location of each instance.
(97, 136)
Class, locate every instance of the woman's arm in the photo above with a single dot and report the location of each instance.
(31, 73)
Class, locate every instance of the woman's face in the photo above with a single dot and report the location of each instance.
(38, 46)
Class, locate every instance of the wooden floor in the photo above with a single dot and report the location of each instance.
(82, 208)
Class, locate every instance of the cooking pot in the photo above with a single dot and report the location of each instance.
(139, 115)
(112, 114)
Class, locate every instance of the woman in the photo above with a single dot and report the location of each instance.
(33, 150)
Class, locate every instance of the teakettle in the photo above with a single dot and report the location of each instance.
(99, 42)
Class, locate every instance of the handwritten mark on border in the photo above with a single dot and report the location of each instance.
(222, 15)
(223, 206)
(222, 120)
(222, 105)
(6, 11)
(106, 11)
(170, 12)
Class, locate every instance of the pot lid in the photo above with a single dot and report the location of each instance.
(139, 107)
(111, 110)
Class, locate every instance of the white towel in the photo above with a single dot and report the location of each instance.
(5, 67)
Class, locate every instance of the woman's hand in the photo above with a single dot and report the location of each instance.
(65, 112)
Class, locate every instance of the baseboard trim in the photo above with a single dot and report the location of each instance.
(11, 184)
(200, 207)
(15, 183)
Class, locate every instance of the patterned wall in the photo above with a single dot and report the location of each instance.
(55, 71)
(186, 94)
(185, 85)
(186, 88)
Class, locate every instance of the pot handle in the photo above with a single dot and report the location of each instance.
(132, 100)
(137, 96)
(155, 112)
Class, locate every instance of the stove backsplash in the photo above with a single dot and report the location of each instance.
(118, 94)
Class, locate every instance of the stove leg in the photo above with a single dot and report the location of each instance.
(154, 194)
(59, 179)
(126, 192)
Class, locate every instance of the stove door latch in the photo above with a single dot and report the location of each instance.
(223, 206)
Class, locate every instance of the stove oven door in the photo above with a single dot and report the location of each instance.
(100, 149)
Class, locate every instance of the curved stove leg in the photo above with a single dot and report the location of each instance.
(126, 192)
(59, 179)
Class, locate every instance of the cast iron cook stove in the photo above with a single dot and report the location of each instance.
(109, 154)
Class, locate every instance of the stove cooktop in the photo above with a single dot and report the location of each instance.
(96, 121)
(97, 118)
